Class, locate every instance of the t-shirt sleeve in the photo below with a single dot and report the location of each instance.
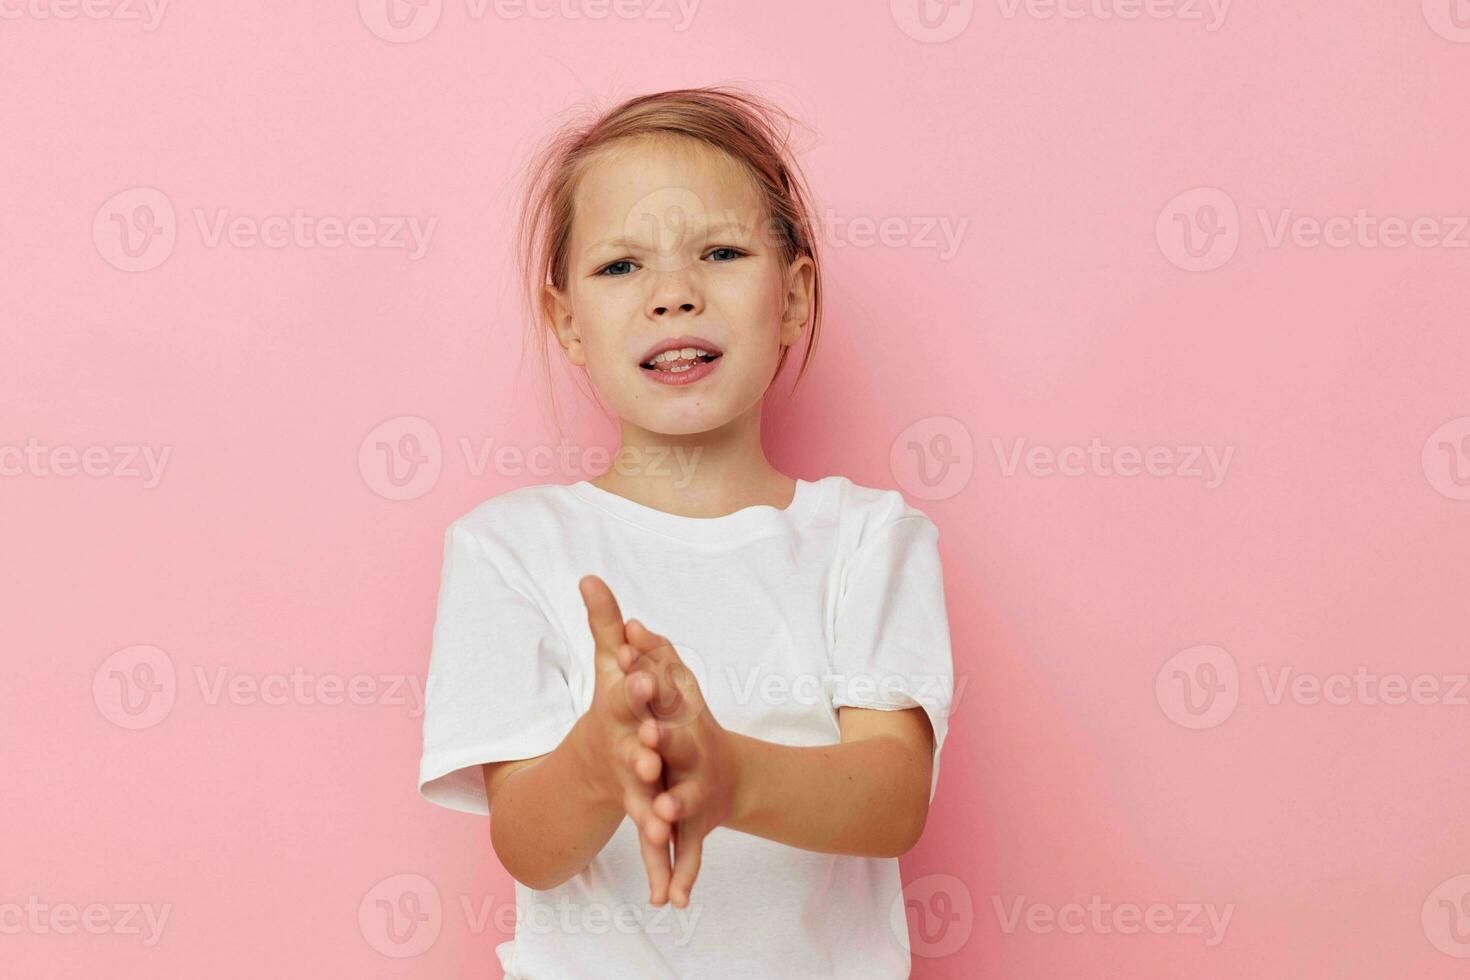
(891, 638)
(498, 684)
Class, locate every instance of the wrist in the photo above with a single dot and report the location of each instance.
(598, 793)
(735, 749)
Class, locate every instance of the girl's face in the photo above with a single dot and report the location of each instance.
(671, 247)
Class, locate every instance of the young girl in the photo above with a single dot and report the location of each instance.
(777, 739)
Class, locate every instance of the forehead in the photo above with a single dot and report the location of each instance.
(640, 186)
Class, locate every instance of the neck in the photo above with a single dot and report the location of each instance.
(704, 474)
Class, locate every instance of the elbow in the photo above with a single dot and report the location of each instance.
(908, 829)
(541, 880)
(538, 879)
(534, 883)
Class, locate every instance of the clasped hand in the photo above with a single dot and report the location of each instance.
(658, 749)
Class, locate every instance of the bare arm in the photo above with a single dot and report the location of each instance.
(867, 795)
(547, 821)
(551, 815)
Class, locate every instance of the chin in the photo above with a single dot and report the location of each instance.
(687, 425)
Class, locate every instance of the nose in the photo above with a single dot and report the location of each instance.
(675, 290)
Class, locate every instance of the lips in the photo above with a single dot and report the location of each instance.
(683, 374)
(676, 343)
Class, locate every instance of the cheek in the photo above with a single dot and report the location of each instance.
(595, 317)
(756, 301)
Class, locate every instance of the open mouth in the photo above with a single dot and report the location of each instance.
(680, 360)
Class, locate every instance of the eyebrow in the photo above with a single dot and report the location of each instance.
(718, 228)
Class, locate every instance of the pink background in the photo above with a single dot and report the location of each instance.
(1080, 761)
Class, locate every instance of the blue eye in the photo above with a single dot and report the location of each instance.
(736, 253)
(614, 265)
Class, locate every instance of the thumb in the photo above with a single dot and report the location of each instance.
(673, 699)
(605, 621)
(649, 643)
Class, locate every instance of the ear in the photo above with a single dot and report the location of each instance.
(800, 280)
(556, 310)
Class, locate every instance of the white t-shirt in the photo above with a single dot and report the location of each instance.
(782, 615)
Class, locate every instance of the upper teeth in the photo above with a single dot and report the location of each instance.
(680, 353)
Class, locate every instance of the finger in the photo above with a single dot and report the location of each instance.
(637, 801)
(647, 641)
(679, 802)
(679, 698)
(677, 743)
(604, 618)
(632, 696)
(667, 698)
(639, 794)
(688, 854)
(648, 733)
(656, 860)
(627, 657)
(649, 765)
